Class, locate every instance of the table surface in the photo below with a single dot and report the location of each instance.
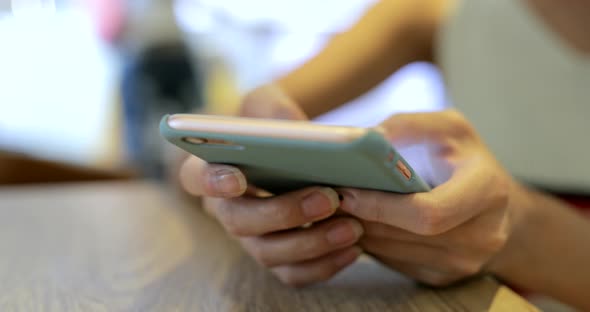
(136, 246)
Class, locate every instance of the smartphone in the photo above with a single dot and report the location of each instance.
(281, 156)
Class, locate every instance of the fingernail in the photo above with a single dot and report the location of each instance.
(322, 202)
(345, 232)
(347, 257)
(229, 181)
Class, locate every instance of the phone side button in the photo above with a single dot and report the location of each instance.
(403, 169)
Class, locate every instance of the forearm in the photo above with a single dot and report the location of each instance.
(391, 34)
(549, 251)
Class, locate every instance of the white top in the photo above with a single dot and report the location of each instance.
(524, 88)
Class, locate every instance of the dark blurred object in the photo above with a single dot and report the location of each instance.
(22, 169)
(164, 79)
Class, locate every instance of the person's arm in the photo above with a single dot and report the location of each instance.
(480, 219)
(390, 35)
(549, 251)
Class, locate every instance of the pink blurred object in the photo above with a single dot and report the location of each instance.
(109, 16)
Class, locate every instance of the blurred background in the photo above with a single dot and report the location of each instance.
(85, 82)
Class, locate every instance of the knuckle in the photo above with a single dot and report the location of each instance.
(227, 216)
(235, 230)
(376, 211)
(462, 266)
(312, 246)
(263, 258)
(280, 212)
(468, 268)
(289, 277)
(495, 242)
(380, 213)
(258, 252)
(232, 228)
(430, 220)
(406, 121)
(461, 126)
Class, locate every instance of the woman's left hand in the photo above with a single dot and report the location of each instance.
(459, 228)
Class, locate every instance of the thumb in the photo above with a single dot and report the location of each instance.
(271, 101)
(433, 127)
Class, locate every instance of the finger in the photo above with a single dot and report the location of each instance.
(202, 179)
(468, 192)
(303, 244)
(432, 127)
(403, 211)
(421, 274)
(485, 234)
(270, 101)
(438, 259)
(317, 270)
(458, 237)
(247, 216)
(383, 231)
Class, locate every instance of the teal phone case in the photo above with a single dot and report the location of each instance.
(281, 165)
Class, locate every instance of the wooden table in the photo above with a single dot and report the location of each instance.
(18, 168)
(134, 246)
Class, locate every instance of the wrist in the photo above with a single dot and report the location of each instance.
(546, 251)
(512, 260)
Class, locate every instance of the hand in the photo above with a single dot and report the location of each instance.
(270, 101)
(459, 228)
(271, 229)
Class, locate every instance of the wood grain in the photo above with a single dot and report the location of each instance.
(129, 246)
